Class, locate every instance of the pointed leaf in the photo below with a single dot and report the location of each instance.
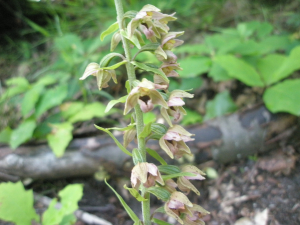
(106, 59)
(22, 134)
(150, 69)
(240, 70)
(112, 28)
(132, 215)
(16, 204)
(60, 138)
(135, 194)
(284, 97)
(112, 103)
(116, 141)
(160, 193)
(156, 156)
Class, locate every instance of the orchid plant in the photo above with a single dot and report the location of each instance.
(132, 28)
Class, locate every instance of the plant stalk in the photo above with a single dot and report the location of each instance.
(138, 112)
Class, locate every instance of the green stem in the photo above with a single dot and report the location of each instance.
(138, 112)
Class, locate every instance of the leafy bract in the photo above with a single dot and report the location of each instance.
(284, 97)
(51, 98)
(22, 134)
(220, 105)
(113, 102)
(69, 196)
(132, 215)
(237, 68)
(16, 204)
(60, 137)
(112, 28)
(116, 141)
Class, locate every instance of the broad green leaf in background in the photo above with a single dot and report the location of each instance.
(113, 102)
(240, 70)
(269, 65)
(69, 196)
(191, 118)
(30, 99)
(5, 135)
(89, 111)
(51, 98)
(112, 28)
(22, 134)
(220, 105)
(16, 204)
(60, 137)
(194, 66)
(132, 215)
(218, 73)
(284, 97)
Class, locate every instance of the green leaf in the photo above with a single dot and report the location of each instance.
(116, 141)
(160, 222)
(89, 111)
(135, 194)
(106, 59)
(220, 105)
(22, 134)
(30, 99)
(160, 193)
(175, 175)
(16, 204)
(146, 131)
(192, 117)
(5, 135)
(69, 196)
(169, 169)
(115, 66)
(194, 66)
(51, 98)
(269, 65)
(237, 68)
(113, 102)
(60, 138)
(132, 215)
(156, 156)
(151, 69)
(137, 156)
(284, 97)
(112, 28)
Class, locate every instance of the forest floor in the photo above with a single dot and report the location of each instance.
(261, 190)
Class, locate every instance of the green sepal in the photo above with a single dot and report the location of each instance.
(113, 102)
(137, 157)
(160, 193)
(150, 69)
(160, 222)
(169, 169)
(115, 66)
(135, 194)
(159, 128)
(133, 39)
(175, 175)
(106, 59)
(156, 156)
(116, 141)
(146, 131)
(132, 215)
(112, 28)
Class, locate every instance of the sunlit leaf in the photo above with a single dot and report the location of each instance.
(60, 138)
(16, 204)
(22, 134)
(284, 97)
